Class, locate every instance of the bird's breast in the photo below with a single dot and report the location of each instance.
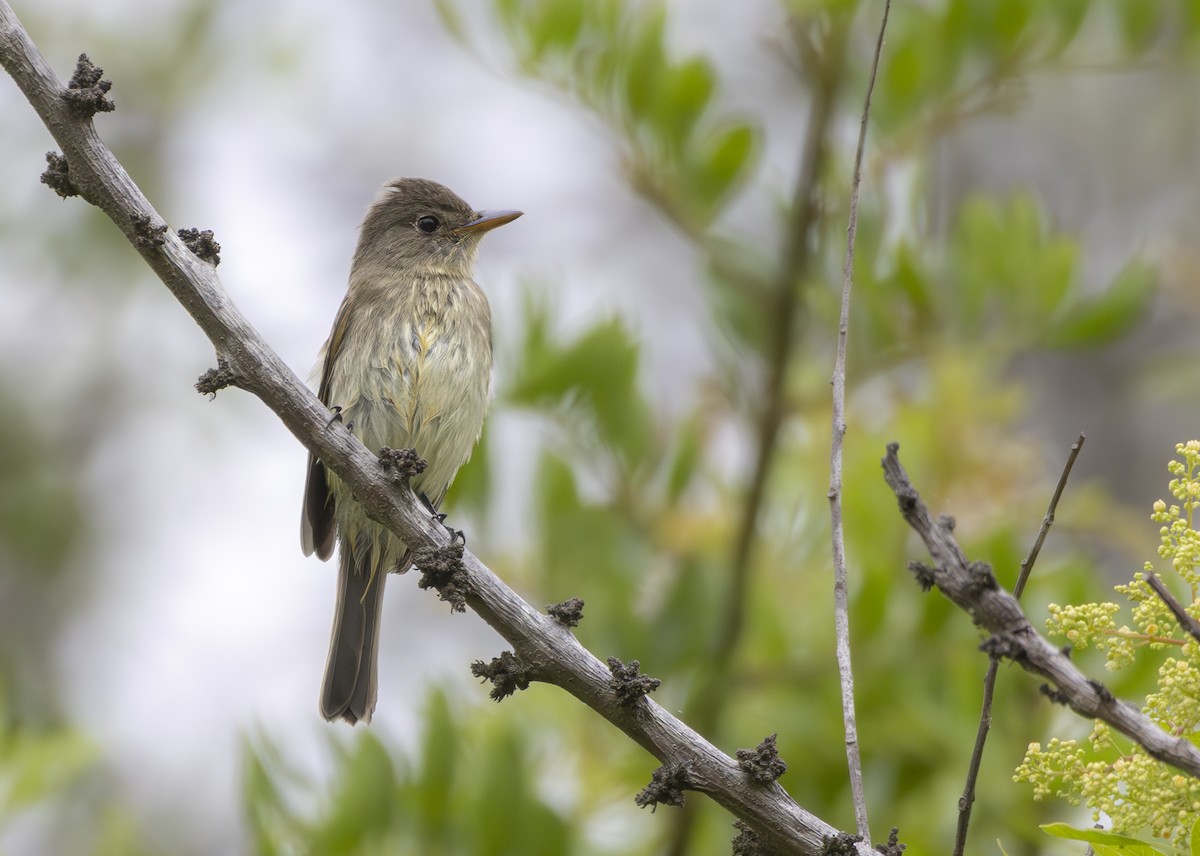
(414, 371)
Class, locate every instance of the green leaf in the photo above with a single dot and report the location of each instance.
(1008, 272)
(36, 765)
(440, 751)
(997, 25)
(724, 158)
(917, 65)
(1110, 315)
(739, 278)
(1138, 23)
(579, 541)
(1010, 19)
(507, 816)
(274, 827)
(473, 484)
(644, 61)
(1105, 842)
(363, 799)
(557, 491)
(912, 280)
(689, 446)
(555, 26)
(595, 377)
(509, 14)
(1069, 16)
(683, 96)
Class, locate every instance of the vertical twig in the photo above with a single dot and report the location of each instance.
(708, 704)
(967, 800)
(840, 593)
(1048, 520)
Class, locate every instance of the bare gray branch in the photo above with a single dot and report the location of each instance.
(972, 587)
(542, 644)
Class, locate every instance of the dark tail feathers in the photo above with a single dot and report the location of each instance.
(351, 674)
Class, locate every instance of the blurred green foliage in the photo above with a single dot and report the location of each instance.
(638, 507)
(38, 499)
(473, 789)
(44, 764)
(936, 324)
(612, 56)
(638, 513)
(1002, 279)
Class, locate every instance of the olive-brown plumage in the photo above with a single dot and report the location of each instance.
(409, 364)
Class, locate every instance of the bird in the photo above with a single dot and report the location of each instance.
(408, 364)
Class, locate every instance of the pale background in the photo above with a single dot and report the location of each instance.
(192, 618)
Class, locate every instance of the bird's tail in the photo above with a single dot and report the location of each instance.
(351, 674)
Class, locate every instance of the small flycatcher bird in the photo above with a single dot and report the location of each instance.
(407, 365)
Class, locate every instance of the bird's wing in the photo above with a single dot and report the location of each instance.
(317, 526)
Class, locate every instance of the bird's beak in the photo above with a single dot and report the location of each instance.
(488, 220)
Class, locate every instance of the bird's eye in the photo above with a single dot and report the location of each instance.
(428, 224)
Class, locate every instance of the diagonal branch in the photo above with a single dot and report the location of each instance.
(971, 587)
(546, 649)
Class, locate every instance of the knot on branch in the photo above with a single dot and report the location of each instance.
(946, 522)
(506, 673)
(981, 579)
(58, 176)
(908, 499)
(202, 245)
(1102, 692)
(146, 235)
(762, 764)
(442, 569)
(568, 613)
(1055, 695)
(747, 842)
(841, 844)
(666, 787)
(401, 465)
(925, 575)
(215, 379)
(893, 846)
(1002, 645)
(86, 93)
(627, 684)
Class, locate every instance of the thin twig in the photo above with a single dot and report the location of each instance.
(1048, 520)
(840, 574)
(554, 655)
(1190, 625)
(967, 800)
(784, 299)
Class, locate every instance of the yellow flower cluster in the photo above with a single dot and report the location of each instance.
(1118, 780)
